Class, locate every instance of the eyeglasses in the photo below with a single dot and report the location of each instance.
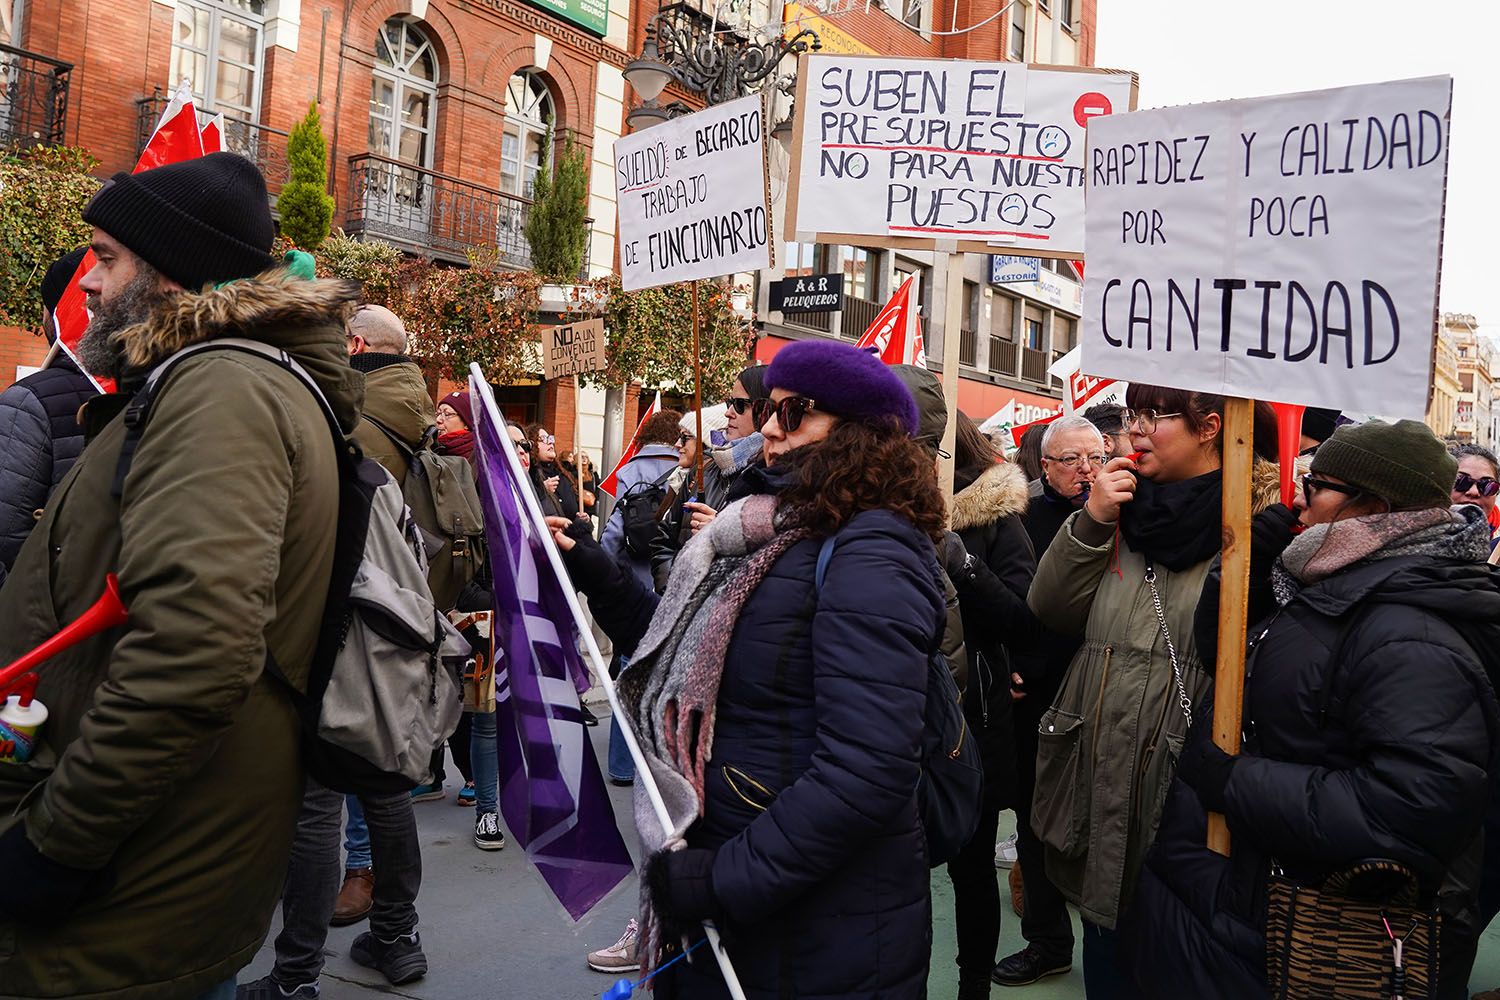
(1073, 461)
(790, 411)
(1144, 419)
(739, 404)
(543, 437)
(684, 438)
(1488, 486)
(1311, 485)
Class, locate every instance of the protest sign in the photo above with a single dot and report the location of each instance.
(1280, 248)
(573, 348)
(693, 195)
(912, 152)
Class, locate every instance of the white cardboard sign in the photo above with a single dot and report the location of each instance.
(693, 196)
(1281, 248)
(988, 154)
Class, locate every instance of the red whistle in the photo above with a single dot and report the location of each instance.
(107, 612)
(1135, 456)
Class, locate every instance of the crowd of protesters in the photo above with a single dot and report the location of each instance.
(776, 576)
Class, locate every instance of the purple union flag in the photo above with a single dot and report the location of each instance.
(551, 790)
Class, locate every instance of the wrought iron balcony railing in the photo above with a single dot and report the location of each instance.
(260, 144)
(438, 215)
(33, 98)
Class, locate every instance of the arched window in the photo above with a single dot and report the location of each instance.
(403, 97)
(528, 118)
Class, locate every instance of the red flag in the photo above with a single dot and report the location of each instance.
(176, 138)
(896, 333)
(611, 483)
(1077, 268)
(212, 135)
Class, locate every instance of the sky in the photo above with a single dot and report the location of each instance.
(1189, 51)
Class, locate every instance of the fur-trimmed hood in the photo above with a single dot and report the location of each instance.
(1000, 491)
(304, 318)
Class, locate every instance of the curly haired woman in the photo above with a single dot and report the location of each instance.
(787, 718)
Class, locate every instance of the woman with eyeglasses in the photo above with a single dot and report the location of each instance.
(553, 488)
(1370, 724)
(1124, 575)
(739, 420)
(788, 715)
(1478, 482)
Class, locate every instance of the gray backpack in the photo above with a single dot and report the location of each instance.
(383, 688)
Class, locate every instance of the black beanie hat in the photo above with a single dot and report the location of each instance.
(1319, 423)
(1402, 463)
(55, 281)
(198, 222)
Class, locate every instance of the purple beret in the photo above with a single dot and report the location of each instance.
(462, 406)
(843, 380)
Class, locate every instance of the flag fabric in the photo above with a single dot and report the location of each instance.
(896, 333)
(611, 482)
(1001, 421)
(1077, 266)
(212, 135)
(175, 138)
(1018, 432)
(552, 792)
(1082, 391)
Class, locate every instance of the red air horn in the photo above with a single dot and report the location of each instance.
(1289, 446)
(107, 612)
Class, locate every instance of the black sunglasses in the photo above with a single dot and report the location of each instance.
(1488, 486)
(739, 403)
(1311, 485)
(790, 411)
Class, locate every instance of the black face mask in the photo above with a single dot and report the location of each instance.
(1178, 525)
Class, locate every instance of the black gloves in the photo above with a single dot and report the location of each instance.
(1203, 766)
(39, 889)
(682, 890)
(1271, 531)
(955, 556)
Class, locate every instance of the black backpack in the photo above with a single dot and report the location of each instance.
(952, 780)
(640, 509)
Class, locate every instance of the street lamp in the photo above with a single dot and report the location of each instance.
(647, 74)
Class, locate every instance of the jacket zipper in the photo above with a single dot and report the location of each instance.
(1109, 652)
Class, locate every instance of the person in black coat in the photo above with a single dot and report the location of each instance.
(808, 852)
(553, 487)
(989, 499)
(1370, 720)
(1073, 449)
(40, 437)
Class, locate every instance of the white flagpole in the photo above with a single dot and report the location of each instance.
(601, 669)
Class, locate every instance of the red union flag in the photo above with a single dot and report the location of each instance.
(176, 138)
(611, 483)
(895, 333)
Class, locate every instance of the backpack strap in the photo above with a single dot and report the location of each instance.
(653, 484)
(825, 554)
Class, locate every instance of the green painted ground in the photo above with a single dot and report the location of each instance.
(942, 982)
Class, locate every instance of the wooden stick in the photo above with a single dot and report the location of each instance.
(953, 304)
(697, 401)
(1234, 591)
(578, 441)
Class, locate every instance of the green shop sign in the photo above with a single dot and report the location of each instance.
(590, 15)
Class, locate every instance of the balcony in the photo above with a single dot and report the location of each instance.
(1003, 356)
(33, 99)
(261, 145)
(434, 214)
(858, 315)
(1033, 365)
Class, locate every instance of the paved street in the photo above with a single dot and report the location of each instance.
(492, 931)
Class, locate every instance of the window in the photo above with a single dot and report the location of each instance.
(1065, 13)
(1064, 333)
(801, 258)
(528, 121)
(1018, 32)
(1032, 328)
(858, 267)
(914, 13)
(217, 46)
(403, 95)
(1002, 334)
(968, 337)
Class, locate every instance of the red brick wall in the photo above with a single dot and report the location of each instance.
(19, 347)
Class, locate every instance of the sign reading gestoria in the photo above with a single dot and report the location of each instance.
(590, 15)
(808, 293)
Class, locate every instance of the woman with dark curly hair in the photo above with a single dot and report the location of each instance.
(783, 720)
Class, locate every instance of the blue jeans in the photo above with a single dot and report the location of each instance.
(1103, 978)
(621, 764)
(484, 754)
(223, 991)
(356, 835)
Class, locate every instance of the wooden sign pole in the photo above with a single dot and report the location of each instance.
(697, 401)
(578, 440)
(1234, 591)
(953, 305)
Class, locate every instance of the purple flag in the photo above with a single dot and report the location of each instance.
(551, 790)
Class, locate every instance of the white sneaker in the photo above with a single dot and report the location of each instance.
(622, 955)
(1005, 852)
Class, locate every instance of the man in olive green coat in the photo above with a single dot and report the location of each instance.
(145, 843)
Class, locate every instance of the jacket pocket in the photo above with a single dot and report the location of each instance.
(21, 782)
(1060, 805)
(1156, 781)
(747, 789)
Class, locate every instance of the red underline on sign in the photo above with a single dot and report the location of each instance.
(638, 187)
(970, 232)
(943, 149)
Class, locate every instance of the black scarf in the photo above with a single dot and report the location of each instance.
(1056, 497)
(1176, 524)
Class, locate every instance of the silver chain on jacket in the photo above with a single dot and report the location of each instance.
(1183, 701)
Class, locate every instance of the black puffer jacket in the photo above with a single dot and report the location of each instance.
(39, 440)
(1371, 730)
(987, 510)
